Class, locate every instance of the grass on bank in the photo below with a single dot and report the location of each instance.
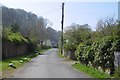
(60, 55)
(41, 51)
(86, 69)
(7, 71)
(0, 65)
(16, 60)
(90, 71)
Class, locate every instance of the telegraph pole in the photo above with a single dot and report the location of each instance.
(62, 22)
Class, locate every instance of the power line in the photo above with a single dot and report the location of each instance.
(50, 11)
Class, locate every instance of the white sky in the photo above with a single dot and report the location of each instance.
(76, 11)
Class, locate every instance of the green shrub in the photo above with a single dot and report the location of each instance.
(79, 49)
(6, 32)
(104, 56)
(69, 46)
(32, 46)
(79, 52)
(117, 73)
(16, 38)
(84, 53)
(116, 44)
(100, 53)
(13, 37)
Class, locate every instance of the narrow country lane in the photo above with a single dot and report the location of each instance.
(48, 65)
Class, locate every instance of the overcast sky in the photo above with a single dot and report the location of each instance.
(75, 12)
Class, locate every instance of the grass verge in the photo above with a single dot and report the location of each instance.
(6, 70)
(90, 71)
(0, 65)
(60, 55)
(16, 61)
(4, 65)
(41, 51)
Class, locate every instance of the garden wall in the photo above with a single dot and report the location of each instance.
(10, 50)
(70, 54)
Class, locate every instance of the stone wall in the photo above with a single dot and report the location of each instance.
(70, 54)
(10, 50)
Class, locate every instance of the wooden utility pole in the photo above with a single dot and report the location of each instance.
(62, 22)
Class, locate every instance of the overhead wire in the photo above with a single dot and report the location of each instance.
(50, 11)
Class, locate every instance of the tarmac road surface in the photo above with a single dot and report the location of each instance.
(48, 65)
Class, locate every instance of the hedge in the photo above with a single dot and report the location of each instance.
(100, 53)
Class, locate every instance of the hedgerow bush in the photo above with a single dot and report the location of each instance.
(13, 37)
(69, 46)
(117, 73)
(100, 53)
(104, 55)
(79, 50)
(16, 38)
